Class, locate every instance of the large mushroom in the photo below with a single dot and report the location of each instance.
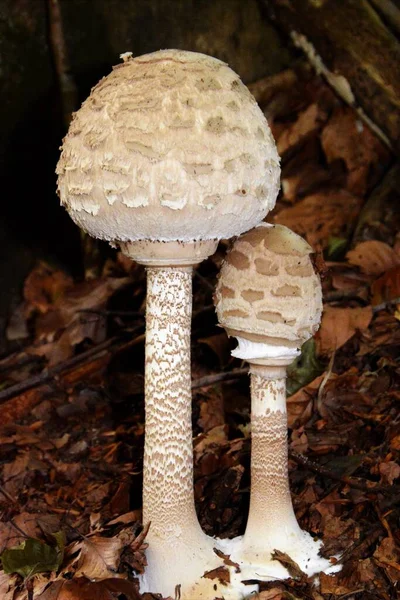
(169, 154)
(269, 297)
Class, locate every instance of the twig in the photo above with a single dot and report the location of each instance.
(66, 365)
(302, 460)
(204, 281)
(200, 311)
(325, 381)
(389, 11)
(385, 305)
(138, 541)
(218, 377)
(357, 549)
(7, 495)
(338, 295)
(29, 588)
(348, 594)
(113, 313)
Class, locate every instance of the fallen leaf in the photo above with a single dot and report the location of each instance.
(336, 248)
(373, 257)
(33, 556)
(217, 435)
(126, 519)
(44, 286)
(388, 554)
(299, 405)
(338, 325)
(99, 557)
(83, 589)
(227, 560)
(304, 368)
(212, 412)
(346, 138)
(220, 345)
(221, 573)
(308, 122)
(74, 314)
(292, 567)
(389, 471)
(321, 216)
(7, 586)
(274, 594)
(386, 287)
(14, 473)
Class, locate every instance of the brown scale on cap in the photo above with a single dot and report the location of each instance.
(267, 289)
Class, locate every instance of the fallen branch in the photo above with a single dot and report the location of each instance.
(385, 305)
(368, 486)
(110, 345)
(218, 377)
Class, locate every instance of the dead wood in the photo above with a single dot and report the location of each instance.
(360, 53)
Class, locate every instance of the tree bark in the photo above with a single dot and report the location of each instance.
(352, 42)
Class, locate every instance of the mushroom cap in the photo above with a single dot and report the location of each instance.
(267, 289)
(170, 146)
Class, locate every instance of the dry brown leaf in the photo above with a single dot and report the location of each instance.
(127, 518)
(389, 471)
(212, 412)
(274, 594)
(44, 285)
(373, 257)
(321, 216)
(363, 575)
(338, 325)
(388, 554)
(217, 435)
(220, 345)
(308, 122)
(15, 472)
(68, 314)
(99, 557)
(299, 405)
(221, 573)
(307, 179)
(349, 281)
(347, 138)
(386, 287)
(82, 589)
(7, 586)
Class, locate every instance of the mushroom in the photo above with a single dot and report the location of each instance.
(169, 154)
(269, 297)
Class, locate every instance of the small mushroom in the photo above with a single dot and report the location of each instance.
(269, 297)
(169, 154)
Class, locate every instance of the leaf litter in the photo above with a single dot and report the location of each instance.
(71, 437)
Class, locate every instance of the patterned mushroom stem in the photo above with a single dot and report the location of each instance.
(168, 463)
(270, 493)
(272, 524)
(179, 551)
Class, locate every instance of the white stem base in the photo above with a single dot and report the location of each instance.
(257, 564)
(186, 564)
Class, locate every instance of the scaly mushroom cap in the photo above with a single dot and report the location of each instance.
(267, 288)
(169, 146)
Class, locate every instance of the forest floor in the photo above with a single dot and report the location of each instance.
(72, 417)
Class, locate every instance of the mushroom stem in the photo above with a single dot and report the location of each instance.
(168, 501)
(272, 524)
(270, 493)
(179, 552)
